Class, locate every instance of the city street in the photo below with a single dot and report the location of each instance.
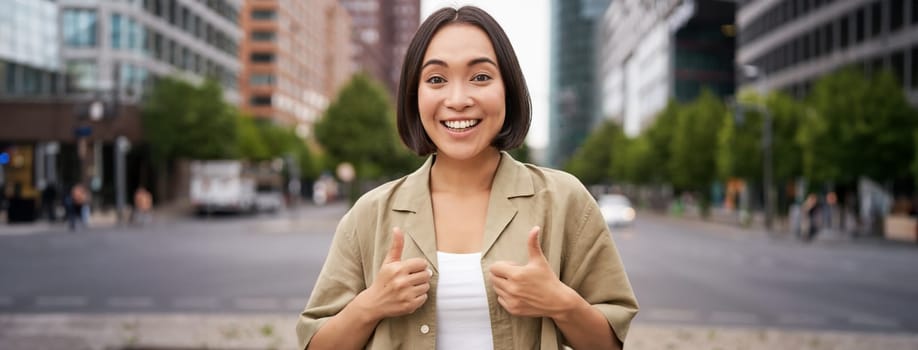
(684, 272)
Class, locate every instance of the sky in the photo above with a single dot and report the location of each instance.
(527, 24)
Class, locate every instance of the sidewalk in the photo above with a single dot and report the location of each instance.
(104, 219)
(728, 222)
(276, 331)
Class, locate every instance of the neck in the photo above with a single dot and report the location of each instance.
(464, 176)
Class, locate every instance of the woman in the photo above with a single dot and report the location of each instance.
(466, 251)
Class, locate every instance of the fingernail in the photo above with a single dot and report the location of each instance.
(429, 272)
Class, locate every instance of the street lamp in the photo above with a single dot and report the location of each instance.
(753, 72)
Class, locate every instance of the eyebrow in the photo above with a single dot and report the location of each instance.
(471, 63)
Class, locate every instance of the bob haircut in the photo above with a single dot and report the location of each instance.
(518, 105)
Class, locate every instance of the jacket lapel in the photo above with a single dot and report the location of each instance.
(510, 181)
(413, 200)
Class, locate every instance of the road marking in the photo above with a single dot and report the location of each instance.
(130, 302)
(734, 317)
(257, 303)
(672, 315)
(5, 300)
(875, 321)
(802, 319)
(196, 303)
(61, 301)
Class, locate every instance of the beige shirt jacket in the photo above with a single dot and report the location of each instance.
(575, 239)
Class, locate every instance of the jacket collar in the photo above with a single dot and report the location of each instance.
(510, 181)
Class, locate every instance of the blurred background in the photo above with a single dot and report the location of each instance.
(172, 171)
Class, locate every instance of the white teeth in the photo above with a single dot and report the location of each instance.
(460, 124)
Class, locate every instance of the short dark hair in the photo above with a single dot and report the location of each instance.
(518, 104)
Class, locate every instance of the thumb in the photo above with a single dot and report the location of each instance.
(535, 249)
(395, 250)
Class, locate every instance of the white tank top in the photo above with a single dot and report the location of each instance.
(463, 318)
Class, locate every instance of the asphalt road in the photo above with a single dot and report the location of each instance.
(683, 272)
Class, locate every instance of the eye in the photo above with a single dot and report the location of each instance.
(435, 80)
(481, 77)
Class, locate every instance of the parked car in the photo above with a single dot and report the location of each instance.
(616, 209)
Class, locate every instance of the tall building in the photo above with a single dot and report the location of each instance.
(296, 54)
(795, 42)
(382, 30)
(573, 91)
(74, 72)
(654, 52)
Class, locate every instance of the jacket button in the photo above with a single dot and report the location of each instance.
(425, 329)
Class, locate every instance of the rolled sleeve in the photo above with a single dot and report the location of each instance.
(339, 282)
(594, 269)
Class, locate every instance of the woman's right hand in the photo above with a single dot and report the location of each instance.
(400, 287)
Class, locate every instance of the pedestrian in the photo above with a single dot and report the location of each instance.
(143, 205)
(813, 209)
(466, 252)
(78, 211)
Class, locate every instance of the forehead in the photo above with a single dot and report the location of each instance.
(460, 42)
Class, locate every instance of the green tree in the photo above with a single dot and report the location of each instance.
(592, 161)
(857, 126)
(694, 146)
(739, 152)
(181, 120)
(658, 138)
(358, 127)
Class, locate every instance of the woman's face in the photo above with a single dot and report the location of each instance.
(461, 92)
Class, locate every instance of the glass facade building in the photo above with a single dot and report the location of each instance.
(121, 44)
(573, 86)
(796, 42)
(671, 50)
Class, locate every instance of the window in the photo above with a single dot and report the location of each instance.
(80, 28)
(82, 76)
(860, 25)
(260, 100)
(843, 32)
(896, 15)
(261, 79)
(116, 31)
(914, 16)
(263, 36)
(263, 14)
(261, 57)
(876, 19)
(913, 63)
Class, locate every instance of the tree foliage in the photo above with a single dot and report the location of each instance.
(740, 148)
(359, 127)
(593, 161)
(857, 126)
(183, 120)
(694, 145)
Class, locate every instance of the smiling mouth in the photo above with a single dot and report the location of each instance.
(460, 125)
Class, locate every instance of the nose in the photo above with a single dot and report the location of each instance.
(458, 97)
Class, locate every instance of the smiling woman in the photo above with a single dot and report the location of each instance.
(474, 249)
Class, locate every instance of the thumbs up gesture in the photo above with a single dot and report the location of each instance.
(400, 287)
(533, 289)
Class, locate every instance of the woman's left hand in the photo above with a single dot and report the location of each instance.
(533, 289)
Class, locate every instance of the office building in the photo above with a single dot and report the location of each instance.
(382, 30)
(573, 85)
(655, 52)
(296, 55)
(793, 43)
(74, 73)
